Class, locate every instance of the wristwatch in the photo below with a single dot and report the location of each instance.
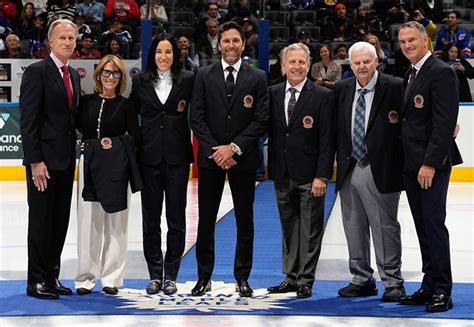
(234, 147)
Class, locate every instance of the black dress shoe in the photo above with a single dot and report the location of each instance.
(170, 287)
(304, 291)
(58, 288)
(154, 287)
(418, 298)
(110, 290)
(83, 291)
(203, 285)
(284, 287)
(353, 290)
(41, 291)
(439, 303)
(393, 294)
(244, 289)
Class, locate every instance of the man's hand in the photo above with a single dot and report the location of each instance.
(40, 175)
(425, 176)
(318, 187)
(228, 164)
(222, 154)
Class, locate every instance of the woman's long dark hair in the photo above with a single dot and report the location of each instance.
(447, 47)
(151, 67)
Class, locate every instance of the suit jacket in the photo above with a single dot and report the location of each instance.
(430, 116)
(165, 133)
(333, 73)
(47, 124)
(303, 148)
(215, 120)
(382, 137)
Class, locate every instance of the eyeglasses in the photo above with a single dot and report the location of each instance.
(107, 73)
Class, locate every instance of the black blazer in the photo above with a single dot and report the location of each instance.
(430, 116)
(165, 133)
(382, 137)
(47, 124)
(217, 121)
(305, 147)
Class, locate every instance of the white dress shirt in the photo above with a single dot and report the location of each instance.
(298, 88)
(163, 85)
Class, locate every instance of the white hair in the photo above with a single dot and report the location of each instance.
(360, 46)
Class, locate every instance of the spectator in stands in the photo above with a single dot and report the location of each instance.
(26, 21)
(82, 27)
(126, 11)
(305, 38)
(86, 51)
(5, 29)
(300, 4)
(13, 49)
(212, 12)
(92, 10)
(113, 47)
(325, 71)
(115, 32)
(365, 21)
(396, 14)
(251, 38)
(41, 6)
(44, 51)
(63, 10)
(8, 10)
(157, 13)
(207, 45)
(338, 27)
(341, 52)
(463, 69)
(453, 33)
(382, 54)
(418, 15)
(38, 33)
(189, 60)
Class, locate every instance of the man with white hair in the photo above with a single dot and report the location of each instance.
(369, 172)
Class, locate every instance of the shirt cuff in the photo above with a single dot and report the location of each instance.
(239, 152)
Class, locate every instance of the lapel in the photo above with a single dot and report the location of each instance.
(53, 71)
(305, 94)
(347, 105)
(242, 77)
(76, 87)
(322, 71)
(150, 91)
(420, 76)
(280, 104)
(218, 81)
(380, 89)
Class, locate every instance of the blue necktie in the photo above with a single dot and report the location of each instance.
(358, 138)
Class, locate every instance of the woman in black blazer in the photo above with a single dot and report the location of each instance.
(162, 94)
(463, 69)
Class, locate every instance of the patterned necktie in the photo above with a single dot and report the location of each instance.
(411, 81)
(291, 102)
(358, 138)
(67, 84)
(229, 81)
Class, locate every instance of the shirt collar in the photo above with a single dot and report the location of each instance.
(164, 75)
(56, 61)
(420, 63)
(298, 87)
(371, 85)
(236, 65)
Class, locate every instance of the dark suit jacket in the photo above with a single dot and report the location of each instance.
(304, 151)
(165, 133)
(382, 137)
(47, 124)
(217, 121)
(428, 126)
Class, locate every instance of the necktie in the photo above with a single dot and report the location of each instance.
(411, 81)
(229, 81)
(67, 84)
(291, 102)
(358, 138)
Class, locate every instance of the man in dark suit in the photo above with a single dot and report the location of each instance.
(431, 105)
(300, 158)
(48, 103)
(369, 172)
(229, 112)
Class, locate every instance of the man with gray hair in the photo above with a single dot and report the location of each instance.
(300, 159)
(369, 172)
(431, 104)
(49, 94)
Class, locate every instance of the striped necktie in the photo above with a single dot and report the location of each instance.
(358, 138)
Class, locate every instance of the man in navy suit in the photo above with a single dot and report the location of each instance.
(431, 105)
(300, 159)
(229, 112)
(48, 104)
(369, 173)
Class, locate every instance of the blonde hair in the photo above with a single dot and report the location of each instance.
(122, 85)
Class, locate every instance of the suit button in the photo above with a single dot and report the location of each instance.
(229, 117)
(69, 132)
(287, 134)
(348, 158)
(284, 150)
(161, 126)
(404, 119)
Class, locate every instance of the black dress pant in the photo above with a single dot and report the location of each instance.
(428, 208)
(210, 188)
(170, 182)
(48, 220)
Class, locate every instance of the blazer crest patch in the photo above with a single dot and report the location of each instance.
(419, 101)
(248, 101)
(181, 105)
(308, 122)
(393, 117)
(106, 143)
